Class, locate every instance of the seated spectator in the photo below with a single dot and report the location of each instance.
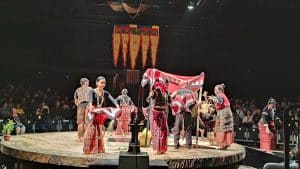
(19, 127)
(248, 119)
(239, 112)
(45, 108)
(57, 111)
(257, 116)
(20, 110)
(10, 102)
(42, 114)
(4, 111)
(236, 119)
(67, 112)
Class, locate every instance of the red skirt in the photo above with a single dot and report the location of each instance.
(100, 118)
(160, 137)
(267, 141)
(224, 139)
(93, 141)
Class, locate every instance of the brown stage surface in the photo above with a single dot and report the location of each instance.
(60, 148)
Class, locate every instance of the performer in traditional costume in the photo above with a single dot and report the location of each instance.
(127, 107)
(97, 115)
(81, 97)
(224, 119)
(183, 101)
(160, 98)
(267, 129)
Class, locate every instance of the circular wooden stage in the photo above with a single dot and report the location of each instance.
(60, 148)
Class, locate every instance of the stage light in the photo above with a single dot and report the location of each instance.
(191, 6)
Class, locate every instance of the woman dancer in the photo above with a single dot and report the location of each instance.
(94, 134)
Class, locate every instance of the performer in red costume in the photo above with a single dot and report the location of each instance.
(224, 120)
(267, 130)
(98, 113)
(127, 107)
(161, 100)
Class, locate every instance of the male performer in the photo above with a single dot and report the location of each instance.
(81, 97)
(183, 117)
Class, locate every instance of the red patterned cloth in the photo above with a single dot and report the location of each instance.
(183, 101)
(160, 137)
(100, 119)
(175, 81)
(123, 121)
(94, 134)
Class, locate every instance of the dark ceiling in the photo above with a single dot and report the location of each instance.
(245, 42)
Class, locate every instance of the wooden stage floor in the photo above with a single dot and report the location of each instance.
(60, 148)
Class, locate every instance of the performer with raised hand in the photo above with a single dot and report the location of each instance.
(128, 109)
(224, 120)
(98, 113)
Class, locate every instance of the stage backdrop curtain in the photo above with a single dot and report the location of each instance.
(116, 45)
(154, 38)
(135, 43)
(145, 48)
(136, 36)
(125, 41)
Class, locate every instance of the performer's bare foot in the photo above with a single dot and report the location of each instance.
(177, 146)
(188, 146)
(79, 139)
(159, 153)
(203, 138)
(223, 148)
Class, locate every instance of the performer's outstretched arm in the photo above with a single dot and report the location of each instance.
(112, 99)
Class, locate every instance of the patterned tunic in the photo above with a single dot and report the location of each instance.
(224, 121)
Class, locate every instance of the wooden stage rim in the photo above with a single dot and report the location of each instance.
(60, 148)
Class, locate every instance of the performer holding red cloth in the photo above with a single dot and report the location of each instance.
(267, 130)
(224, 120)
(94, 134)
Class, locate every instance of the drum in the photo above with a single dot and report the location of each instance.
(142, 137)
(212, 139)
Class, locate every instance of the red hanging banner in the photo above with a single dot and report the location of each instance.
(154, 39)
(125, 41)
(145, 48)
(116, 45)
(135, 42)
(136, 37)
